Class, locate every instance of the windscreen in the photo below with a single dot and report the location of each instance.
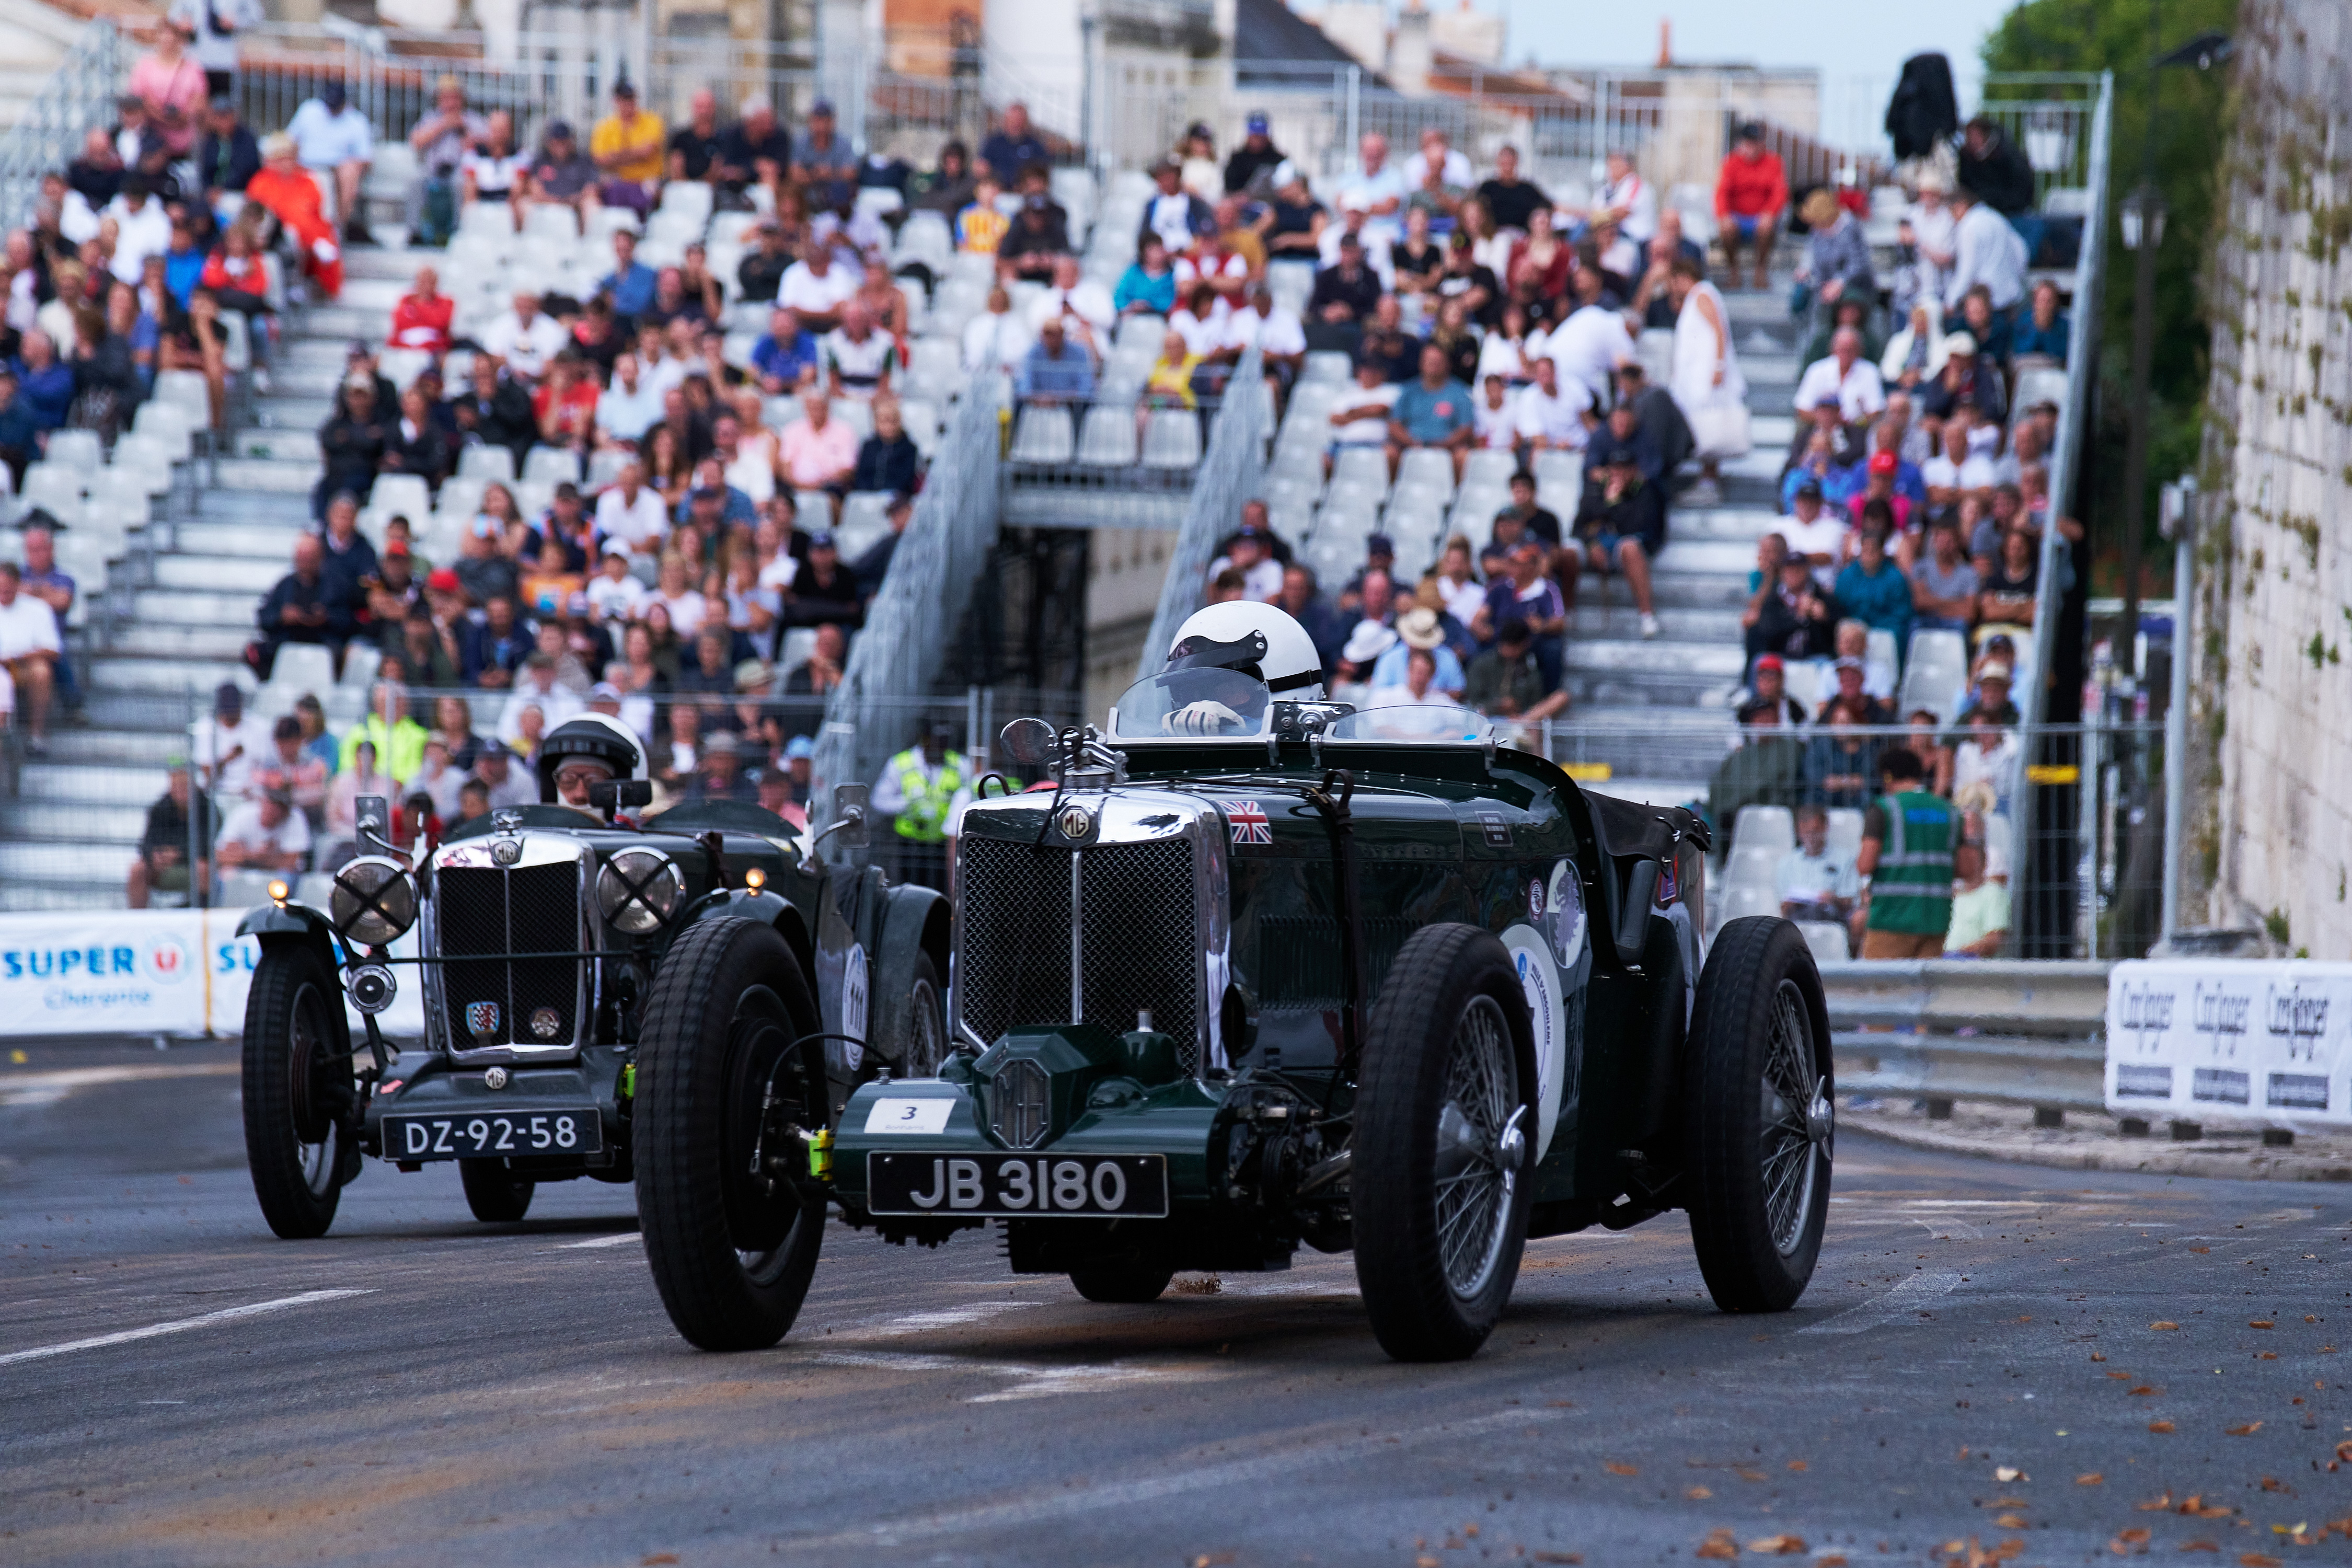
(1198, 704)
(1431, 723)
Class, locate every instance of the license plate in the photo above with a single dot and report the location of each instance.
(1017, 1186)
(492, 1134)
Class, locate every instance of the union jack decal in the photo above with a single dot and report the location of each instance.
(1251, 824)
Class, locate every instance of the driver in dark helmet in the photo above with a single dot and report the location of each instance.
(585, 752)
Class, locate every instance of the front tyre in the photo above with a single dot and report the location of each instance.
(731, 1252)
(493, 1192)
(1760, 1117)
(298, 1090)
(1445, 1120)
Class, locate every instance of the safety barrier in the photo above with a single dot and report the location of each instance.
(2010, 1032)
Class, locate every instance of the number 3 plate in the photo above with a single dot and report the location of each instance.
(490, 1135)
(1015, 1186)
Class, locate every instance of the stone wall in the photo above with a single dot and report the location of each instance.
(2270, 834)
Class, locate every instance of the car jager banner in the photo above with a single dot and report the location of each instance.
(2221, 1040)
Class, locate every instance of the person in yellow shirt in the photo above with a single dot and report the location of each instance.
(980, 227)
(1169, 384)
(629, 147)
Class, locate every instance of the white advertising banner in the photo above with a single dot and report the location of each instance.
(2231, 1040)
(148, 971)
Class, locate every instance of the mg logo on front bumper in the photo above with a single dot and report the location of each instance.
(1017, 1104)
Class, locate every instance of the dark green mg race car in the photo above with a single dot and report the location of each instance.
(1259, 971)
(543, 935)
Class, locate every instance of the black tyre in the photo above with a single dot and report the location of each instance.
(1129, 1284)
(1760, 1120)
(298, 1090)
(494, 1192)
(730, 1254)
(926, 1021)
(1445, 1126)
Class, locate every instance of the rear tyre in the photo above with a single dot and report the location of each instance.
(493, 1193)
(1445, 1120)
(731, 1254)
(1127, 1284)
(1761, 1121)
(298, 1090)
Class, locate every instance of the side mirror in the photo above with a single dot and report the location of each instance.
(850, 807)
(1028, 742)
(371, 817)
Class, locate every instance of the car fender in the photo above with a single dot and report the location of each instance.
(911, 921)
(766, 908)
(276, 924)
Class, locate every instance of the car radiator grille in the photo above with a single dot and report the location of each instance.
(532, 908)
(1139, 936)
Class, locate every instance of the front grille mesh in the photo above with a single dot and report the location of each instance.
(1140, 950)
(1140, 939)
(532, 908)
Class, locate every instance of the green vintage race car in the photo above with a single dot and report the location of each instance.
(1262, 971)
(543, 932)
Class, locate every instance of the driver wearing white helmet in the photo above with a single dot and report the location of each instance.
(581, 752)
(1259, 641)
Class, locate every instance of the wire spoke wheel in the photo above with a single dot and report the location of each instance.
(1787, 1146)
(927, 1025)
(307, 1045)
(297, 1091)
(1474, 1186)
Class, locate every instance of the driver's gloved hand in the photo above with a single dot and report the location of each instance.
(1206, 718)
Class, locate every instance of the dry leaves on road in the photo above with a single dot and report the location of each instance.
(2344, 1451)
(1557, 1556)
(2146, 1389)
(2014, 1521)
(1213, 1558)
(2198, 1508)
(2248, 1430)
(2097, 1356)
(2161, 1505)
(2161, 1325)
(2090, 1478)
(2159, 1426)
(2006, 1473)
(1720, 1546)
(658, 1559)
(1698, 1494)
(1615, 1468)
(1778, 1546)
(2261, 1323)
(2259, 1560)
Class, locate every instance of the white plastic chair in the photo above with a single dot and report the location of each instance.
(1845, 831)
(75, 450)
(57, 488)
(488, 463)
(1326, 367)
(1426, 468)
(361, 661)
(1362, 467)
(551, 465)
(864, 523)
(403, 366)
(165, 423)
(1767, 826)
(303, 668)
(1171, 439)
(490, 220)
(1043, 435)
(1107, 439)
(399, 495)
(1938, 673)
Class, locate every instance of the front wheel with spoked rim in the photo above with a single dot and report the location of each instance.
(926, 1021)
(298, 1090)
(1760, 1122)
(732, 1248)
(1445, 1117)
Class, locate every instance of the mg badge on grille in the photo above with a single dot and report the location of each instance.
(1017, 1104)
(506, 851)
(482, 1020)
(1076, 821)
(546, 1023)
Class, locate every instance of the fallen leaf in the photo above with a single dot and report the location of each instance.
(2122, 1376)
(1556, 1556)
(2259, 1560)
(2014, 1521)
(1718, 1546)
(2200, 1249)
(1834, 1560)
(1424, 1561)
(2005, 1502)
(2344, 1451)
(1615, 1468)
(2025, 1319)
(1698, 1494)
(2160, 1326)
(2146, 1388)
(1798, 1465)
(2261, 1323)
(2273, 1484)
(1471, 1531)
(2270, 1356)
(2091, 1479)
(2159, 1426)
(659, 1557)
(2248, 1430)
(2198, 1508)
(2009, 1473)
(1778, 1546)
(2161, 1505)
(1746, 1474)
(2135, 1536)
(2097, 1355)
(1211, 1558)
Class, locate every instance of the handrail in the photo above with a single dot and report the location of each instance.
(1230, 473)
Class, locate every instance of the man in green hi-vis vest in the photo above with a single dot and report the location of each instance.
(1908, 837)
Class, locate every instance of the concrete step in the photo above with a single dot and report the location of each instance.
(1664, 656)
(303, 411)
(253, 574)
(295, 445)
(35, 897)
(116, 748)
(267, 474)
(267, 539)
(151, 676)
(289, 508)
(1719, 524)
(92, 784)
(69, 866)
(313, 381)
(73, 823)
(1616, 620)
(203, 641)
(156, 608)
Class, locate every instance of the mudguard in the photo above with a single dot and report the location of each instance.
(911, 921)
(291, 922)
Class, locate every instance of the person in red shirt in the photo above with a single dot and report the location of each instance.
(421, 320)
(565, 403)
(1750, 193)
(285, 189)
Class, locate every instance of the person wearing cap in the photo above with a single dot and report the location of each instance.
(333, 137)
(1419, 631)
(492, 764)
(822, 160)
(825, 589)
(440, 138)
(1256, 154)
(1038, 237)
(629, 148)
(1506, 682)
(1751, 190)
(1816, 534)
(1250, 553)
(755, 684)
(1836, 262)
(561, 175)
(1859, 707)
(754, 151)
(1768, 700)
(916, 791)
(1367, 644)
(286, 769)
(1792, 619)
(288, 194)
(720, 774)
(1968, 382)
(350, 443)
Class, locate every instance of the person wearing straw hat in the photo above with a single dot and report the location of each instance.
(440, 139)
(1419, 631)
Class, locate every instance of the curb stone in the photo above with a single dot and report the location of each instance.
(1986, 1136)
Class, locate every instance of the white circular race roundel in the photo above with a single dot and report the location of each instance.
(856, 997)
(1540, 981)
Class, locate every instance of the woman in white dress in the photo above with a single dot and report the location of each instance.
(1705, 382)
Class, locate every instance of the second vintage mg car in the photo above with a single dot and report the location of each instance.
(1262, 972)
(542, 933)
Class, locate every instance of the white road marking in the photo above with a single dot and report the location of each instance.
(181, 1325)
(1030, 1381)
(49, 1087)
(1245, 1472)
(1902, 1299)
(945, 1318)
(623, 1239)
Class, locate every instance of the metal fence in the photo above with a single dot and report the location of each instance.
(2008, 1033)
(2072, 821)
(1231, 473)
(79, 93)
(914, 619)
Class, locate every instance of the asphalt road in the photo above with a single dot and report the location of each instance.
(1988, 1355)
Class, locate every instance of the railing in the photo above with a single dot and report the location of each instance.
(79, 93)
(1230, 473)
(2013, 1034)
(914, 619)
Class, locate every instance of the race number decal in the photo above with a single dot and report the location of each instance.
(926, 1116)
(1539, 980)
(856, 997)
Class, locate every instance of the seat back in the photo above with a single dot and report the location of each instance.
(1171, 439)
(1765, 826)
